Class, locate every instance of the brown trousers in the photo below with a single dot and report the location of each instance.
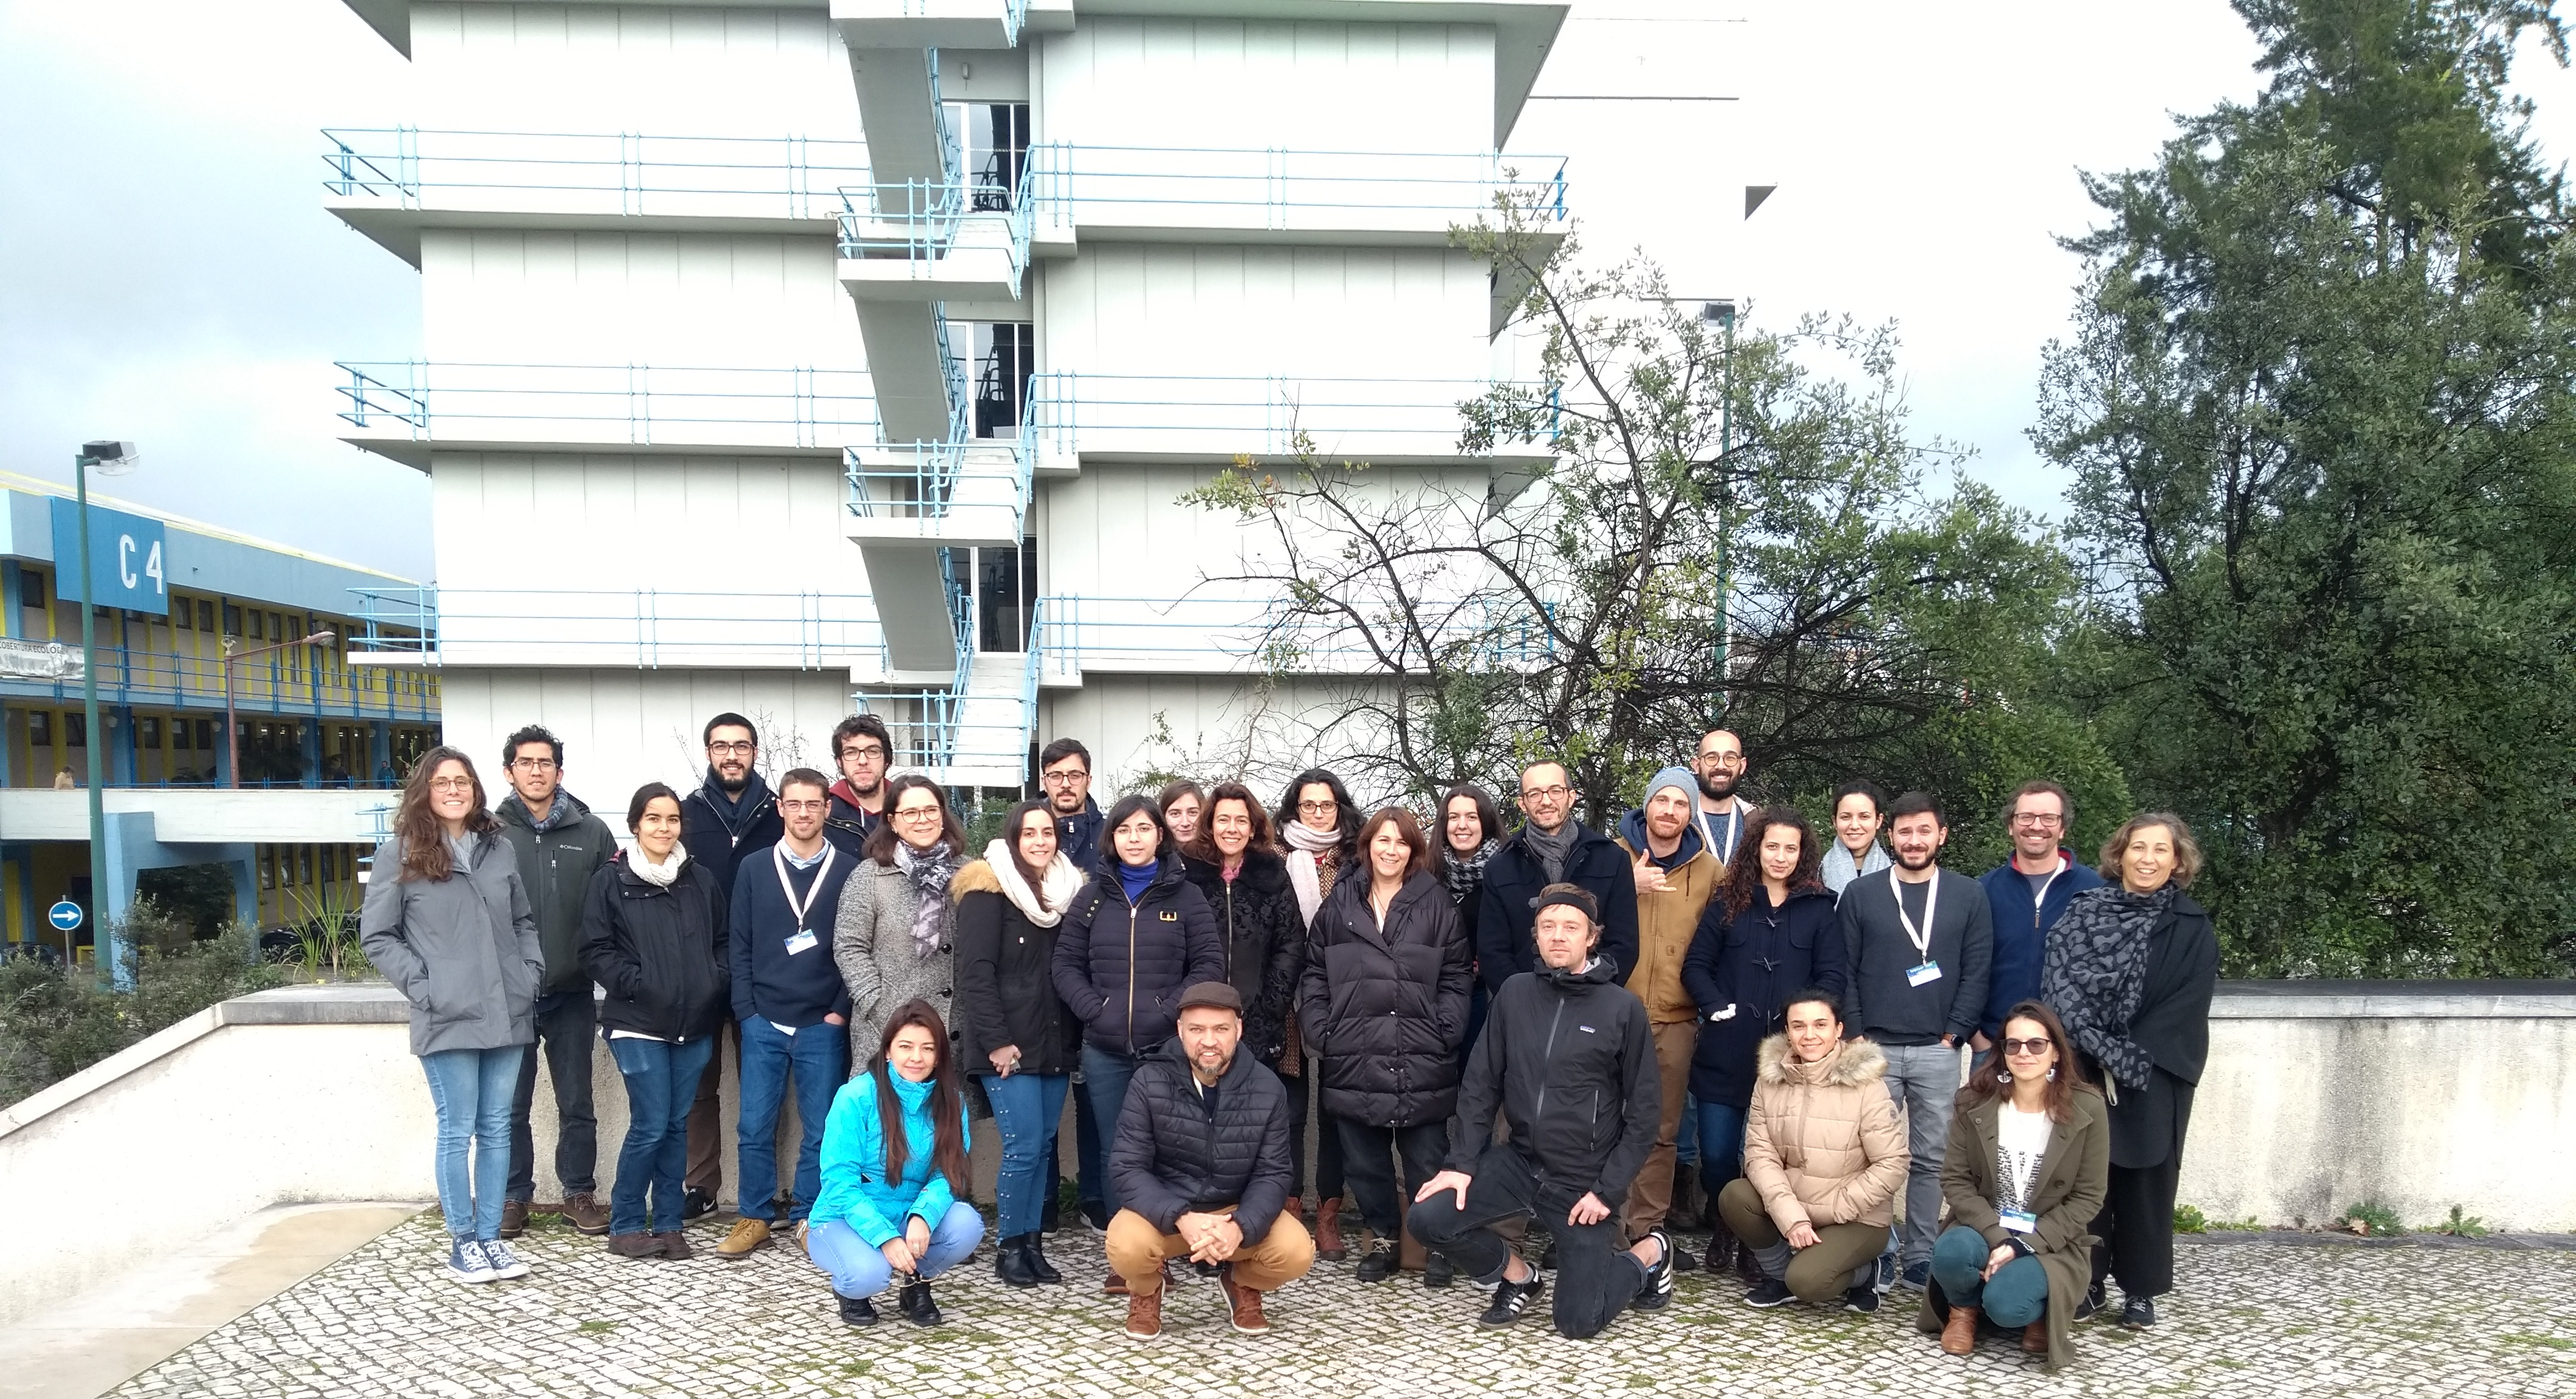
(1650, 1198)
(1137, 1250)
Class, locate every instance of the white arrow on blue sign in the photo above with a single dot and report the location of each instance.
(65, 915)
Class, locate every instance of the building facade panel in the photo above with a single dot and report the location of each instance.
(554, 298)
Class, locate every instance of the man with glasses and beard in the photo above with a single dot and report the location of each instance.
(1720, 767)
(2029, 892)
(1919, 941)
(1064, 769)
(1552, 847)
(732, 814)
(861, 749)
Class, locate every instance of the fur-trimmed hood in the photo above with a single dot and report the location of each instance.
(1856, 1062)
(976, 877)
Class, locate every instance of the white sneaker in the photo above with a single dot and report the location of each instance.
(466, 1263)
(504, 1263)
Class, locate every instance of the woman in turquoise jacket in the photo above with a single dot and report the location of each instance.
(894, 1169)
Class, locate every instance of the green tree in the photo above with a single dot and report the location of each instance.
(2318, 419)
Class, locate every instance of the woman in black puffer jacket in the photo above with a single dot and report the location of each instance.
(1384, 1004)
(1245, 882)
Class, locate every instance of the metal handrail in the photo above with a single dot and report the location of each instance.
(928, 489)
(1282, 178)
(418, 396)
(1065, 404)
(930, 218)
(1245, 627)
(275, 684)
(642, 627)
(643, 173)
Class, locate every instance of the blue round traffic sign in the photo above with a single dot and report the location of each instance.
(65, 915)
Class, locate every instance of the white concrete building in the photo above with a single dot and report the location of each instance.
(777, 354)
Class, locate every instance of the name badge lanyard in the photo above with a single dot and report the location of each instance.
(778, 861)
(1921, 938)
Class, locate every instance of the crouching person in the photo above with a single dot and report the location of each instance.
(1823, 1160)
(894, 1172)
(1200, 1168)
(1568, 1057)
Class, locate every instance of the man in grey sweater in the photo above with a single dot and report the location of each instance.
(1921, 943)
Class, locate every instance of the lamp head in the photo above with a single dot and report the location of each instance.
(320, 638)
(111, 458)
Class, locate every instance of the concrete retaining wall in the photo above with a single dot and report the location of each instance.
(2319, 1095)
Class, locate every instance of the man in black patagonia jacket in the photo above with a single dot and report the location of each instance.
(1568, 1056)
(1201, 1161)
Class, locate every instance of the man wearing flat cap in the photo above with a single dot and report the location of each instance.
(1568, 1057)
(1201, 1165)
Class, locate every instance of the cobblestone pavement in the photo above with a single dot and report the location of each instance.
(2249, 1319)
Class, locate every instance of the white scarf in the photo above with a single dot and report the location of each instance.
(1303, 874)
(661, 875)
(1061, 881)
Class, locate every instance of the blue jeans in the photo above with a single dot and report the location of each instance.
(1105, 1073)
(817, 1060)
(858, 1269)
(661, 1083)
(1026, 1109)
(1721, 1144)
(2015, 1296)
(470, 1090)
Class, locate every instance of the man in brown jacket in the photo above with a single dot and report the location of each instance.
(1675, 876)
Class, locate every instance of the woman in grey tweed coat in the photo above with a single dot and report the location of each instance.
(891, 937)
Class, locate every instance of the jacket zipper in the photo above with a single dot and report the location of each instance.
(1229, 930)
(1546, 1060)
(1131, 980)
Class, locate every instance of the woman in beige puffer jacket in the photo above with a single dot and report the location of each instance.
(1823, 1160)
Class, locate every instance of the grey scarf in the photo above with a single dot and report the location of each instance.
(927, 872)
(1466, 873)
(2095, 973)
(1551, 850)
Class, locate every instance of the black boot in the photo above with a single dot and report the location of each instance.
(1033, 1252)
(857, 1311)
(1011, 1263)
(915, 1304)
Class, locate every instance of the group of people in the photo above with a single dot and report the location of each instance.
(1503, 1045)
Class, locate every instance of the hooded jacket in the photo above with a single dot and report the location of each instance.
(1821, 1141)
(1668, 920)
(855, 1189)
(1385, 1006)
(1078, 835)
(463, 950)
(659, 952)
(848, 824)
(1264, 941)
(2074, 1179)
(1505, 946)
(2021, 932)
(1741, 974)
(719, 830)
(1569, 1058)
(1121, 967)
(1006, 982)
(556, 864)
(1175, 1152)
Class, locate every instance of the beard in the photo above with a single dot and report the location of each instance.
(734, 784)
(1913, 863)
(1718, 788)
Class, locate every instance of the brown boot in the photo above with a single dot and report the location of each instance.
(1145, 1315)
(636, 1245)
(2034, 1338)
(1959, 1337)
(1328, 1232)
(586, 1213)
(1244, 1303)
(674, 1244)
(514, 1218)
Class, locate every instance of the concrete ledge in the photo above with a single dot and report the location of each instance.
(2394, 1000)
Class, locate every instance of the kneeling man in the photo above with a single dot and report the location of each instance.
(1201, 1166)
(1569, 1057)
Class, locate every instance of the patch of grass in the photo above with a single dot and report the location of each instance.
(2526, 1338)
(595, 1328)
(2463, 1226)
(2371, 1221)
(2189, 1220)
(2246, 1225)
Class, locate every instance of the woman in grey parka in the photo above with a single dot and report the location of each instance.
(448, 923)
(893, 932)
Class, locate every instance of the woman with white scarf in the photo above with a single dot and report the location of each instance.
(1855, 851)
(1319, 830)
(891, 936)
(653, 937)
(1016, 1036)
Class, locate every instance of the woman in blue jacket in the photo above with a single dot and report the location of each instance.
(895, 1174)
(1769, 932)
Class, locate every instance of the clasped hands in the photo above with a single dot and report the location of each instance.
(904, 1251)
(1212, 1238)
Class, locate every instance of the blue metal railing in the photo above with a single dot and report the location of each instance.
(935, 477)
(1260, 414)
(1472, 630)
(636, 404)
(634, 174)
(924, 221)
(639, 627)
(1289, 187)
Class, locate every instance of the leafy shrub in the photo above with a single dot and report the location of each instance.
(2189, 1220)
(2371, 1221)
(56, 1021)
(2463, 1226)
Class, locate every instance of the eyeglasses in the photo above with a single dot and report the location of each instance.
(2038, 818)
(533, 764)
(864, 750)
(1724, 760)
(1545, 793)
(451, 784)
(2029, 1047)
(1322, 808)
(745, 749)
(1064, 778)
(785, 805)
(918, 813)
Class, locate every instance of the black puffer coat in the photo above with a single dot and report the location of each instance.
(1121, 967)
(1569, 1058)
(1006, 981)
(659, 952)
(1264, 940)
(1386, 1008)
(1744, 970)
(1171, 1155)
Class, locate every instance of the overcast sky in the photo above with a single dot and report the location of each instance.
(167, 274)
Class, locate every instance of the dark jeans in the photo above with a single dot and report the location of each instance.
(567, 1028)
(1595, 1276)
(1105, 1074)
(661, 1081)
(1090, 1159)
(1368, 1155)
(817, 1059)
(1719, 1130)
(2014, 1297)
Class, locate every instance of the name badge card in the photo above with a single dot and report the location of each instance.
(802, 942)
(1923, 975)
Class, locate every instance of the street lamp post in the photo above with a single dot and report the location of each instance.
(232, 727)
(111, 459)
(1723, 313)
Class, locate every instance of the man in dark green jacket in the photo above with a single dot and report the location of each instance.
(559, 846)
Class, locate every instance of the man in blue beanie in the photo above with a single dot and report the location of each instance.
(1675, 874)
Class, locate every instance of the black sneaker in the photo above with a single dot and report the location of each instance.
(1377, 1262)
(1862, 1299)
(2138, 1313)
(1659, 1278)
(2090, 1305)
(1438, 1271)
(1770, 1292)
(697, 1201)
(1511, 1299)
(858, 1311)
(1684, 1261)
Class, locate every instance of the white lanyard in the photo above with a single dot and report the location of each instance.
(778, 860)
(2039, 897)
(1734, 825)
(1931, 899)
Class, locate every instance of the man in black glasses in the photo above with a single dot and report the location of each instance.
(732, 814)
(1064, 769)
(862, 749)
(1552, 847)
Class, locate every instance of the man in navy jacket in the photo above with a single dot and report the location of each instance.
(1551, 847)
(2028, 893)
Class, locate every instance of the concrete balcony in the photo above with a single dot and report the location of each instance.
(934, 241)
(407, 410)
(392, 183)
(930, 24)
(959, 494)
(1134, 194)
(1078, 417)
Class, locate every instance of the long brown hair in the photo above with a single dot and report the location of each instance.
(1203, 845)
(424, 844)
(1416, 862)
(1012, 824)
(1744, 872)
(881, 841)
(947, 1106)
(1994, 1082)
